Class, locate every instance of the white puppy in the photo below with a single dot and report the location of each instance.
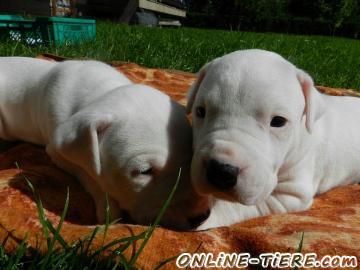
(265, 140)
(125, 139)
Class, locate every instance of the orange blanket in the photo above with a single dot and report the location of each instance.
(330, 227)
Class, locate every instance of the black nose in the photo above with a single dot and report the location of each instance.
(222, 176)
(196, 221)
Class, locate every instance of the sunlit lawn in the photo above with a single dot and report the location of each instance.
(332, 61)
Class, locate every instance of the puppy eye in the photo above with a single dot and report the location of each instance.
(148, 171)
(278, 121)
(200, 112)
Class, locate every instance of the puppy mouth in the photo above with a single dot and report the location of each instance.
(229, 195)
(233, 195)
(204, 189)
(252, 195)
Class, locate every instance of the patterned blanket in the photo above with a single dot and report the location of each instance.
(330, 227)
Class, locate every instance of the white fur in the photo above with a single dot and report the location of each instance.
(98, 125)
(281, 168)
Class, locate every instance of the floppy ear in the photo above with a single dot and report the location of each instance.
(194, 88)
(314, 101)
(77, 140)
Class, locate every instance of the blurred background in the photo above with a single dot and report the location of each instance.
(319, 36)
(325, 17)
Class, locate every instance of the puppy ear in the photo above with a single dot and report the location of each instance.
(194, 88)
(77, 140)
(314, 101)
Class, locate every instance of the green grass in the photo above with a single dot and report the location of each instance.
(331, 61)
(79, 255)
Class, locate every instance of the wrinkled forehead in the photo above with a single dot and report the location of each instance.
(157, 129)
(252, 83)
(128, 140)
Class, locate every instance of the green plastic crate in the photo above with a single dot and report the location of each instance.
(4, 19)
(16, 28)
(60, 30)
(53, 30)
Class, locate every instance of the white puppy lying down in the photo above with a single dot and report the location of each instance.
(125, 139)
(265, 140)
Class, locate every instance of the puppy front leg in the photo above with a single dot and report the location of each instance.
(225, 213)
(289, 196)
(295, 194)
(90, 186)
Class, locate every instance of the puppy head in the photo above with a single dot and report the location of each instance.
(247, 110)
(136, 151)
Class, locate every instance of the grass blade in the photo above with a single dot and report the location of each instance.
(56, 233)
(157, 221)
(161, 264)
(107, 217)
(299, 249)
(91, 239)
(40, 208)
(130, 239)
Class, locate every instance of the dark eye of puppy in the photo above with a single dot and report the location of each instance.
(278, 121)
(200, 112)
(148, 171)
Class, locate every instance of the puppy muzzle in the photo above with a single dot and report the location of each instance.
(233, 172)
(222, 176)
